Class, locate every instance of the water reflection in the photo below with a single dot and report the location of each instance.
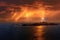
(31, 32)
(39, 32)
(46, 32)
(17, 32)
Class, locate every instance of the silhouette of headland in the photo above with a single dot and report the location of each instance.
(37, 24)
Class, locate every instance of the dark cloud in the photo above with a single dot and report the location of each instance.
(18, 2)
(6, 11)
(51, 2)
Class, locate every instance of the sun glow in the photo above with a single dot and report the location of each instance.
(29, 12)
(39, 32)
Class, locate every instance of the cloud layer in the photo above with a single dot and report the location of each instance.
(7, 6)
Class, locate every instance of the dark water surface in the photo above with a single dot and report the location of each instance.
(9, 31)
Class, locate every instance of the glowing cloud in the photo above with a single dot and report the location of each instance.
(37, 12)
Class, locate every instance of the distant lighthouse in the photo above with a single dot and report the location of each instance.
(43, 19)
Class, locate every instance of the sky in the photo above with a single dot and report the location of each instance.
(8, 8)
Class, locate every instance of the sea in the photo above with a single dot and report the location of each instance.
(11, 31)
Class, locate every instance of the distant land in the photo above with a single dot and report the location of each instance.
(36, 24)
(30, 24)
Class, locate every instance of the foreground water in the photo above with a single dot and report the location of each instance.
(10, 31)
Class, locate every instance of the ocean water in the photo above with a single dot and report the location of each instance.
(9, 31)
